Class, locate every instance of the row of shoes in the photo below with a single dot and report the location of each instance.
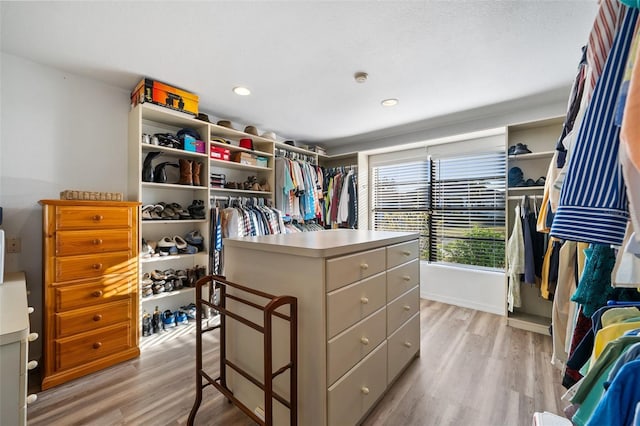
(189, 170)
(516, 179)
(173, 211)
(251, 184)
(157, 282)
(160, 321)
(192, 243)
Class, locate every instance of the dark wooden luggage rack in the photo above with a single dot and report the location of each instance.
(215, 282)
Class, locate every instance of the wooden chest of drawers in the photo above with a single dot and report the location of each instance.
(90, 287)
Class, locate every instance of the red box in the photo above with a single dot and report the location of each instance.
(218, 153)
(164, 95)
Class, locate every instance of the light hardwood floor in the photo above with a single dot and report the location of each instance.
(473, 370)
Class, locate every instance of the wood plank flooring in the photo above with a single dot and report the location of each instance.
(473, 370)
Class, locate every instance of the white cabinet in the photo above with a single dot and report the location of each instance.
(350, 350)
(14, 349)
(540, 137)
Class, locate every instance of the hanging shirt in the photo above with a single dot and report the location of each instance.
(515, 261)
(593, 192)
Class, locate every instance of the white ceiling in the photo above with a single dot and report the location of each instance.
(299, 57)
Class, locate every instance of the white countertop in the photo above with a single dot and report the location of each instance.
(328, 243)
(14, 318)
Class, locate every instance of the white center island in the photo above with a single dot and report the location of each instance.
(358, 318)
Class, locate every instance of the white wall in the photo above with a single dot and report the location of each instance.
(57, 131)
(471, 288)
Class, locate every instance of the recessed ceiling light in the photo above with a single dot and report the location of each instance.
(360, 77)
(389, 102)
(241, 91)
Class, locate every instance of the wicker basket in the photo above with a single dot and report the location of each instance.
(90, 196)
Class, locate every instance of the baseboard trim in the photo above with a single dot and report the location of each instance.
(463, 303)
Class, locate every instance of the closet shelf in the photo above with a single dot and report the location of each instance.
(167, 258)
(526, 188)
(177, 152)
(294, 149)
(531, 156)
(172, 186)
(234, 165)
(241, 191)
(525, 321)
(235, 148)
(165, 222)
(217, 131)
(166, 294)
(164, 116)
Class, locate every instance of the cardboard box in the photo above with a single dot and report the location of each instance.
(218, 153)
(164, 95)
(244, 158)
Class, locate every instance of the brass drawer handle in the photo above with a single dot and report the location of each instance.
(98, 217)
(408, 344)
(97, 293)
(97, 317)
(364, 341)
(97, 242)
(406, 277)
(364, 266)
(364, 390)
(364, 300)
(96, 266)
(97, 345)
(406, 307)
(406, 253)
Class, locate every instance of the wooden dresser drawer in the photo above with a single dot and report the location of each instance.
(91, 266)
(91, 217)
(349, 269)
(86, 347)
(403, 308)
(402, 253)
(402, 278)
(403, 345)
(348, 305)
(352, 396)
(350, 346)
(93, 241)
(81, 320)
(102, 290)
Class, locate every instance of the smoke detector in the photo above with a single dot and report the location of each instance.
(360, 77)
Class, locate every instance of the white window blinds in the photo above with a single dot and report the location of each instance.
(400, 199)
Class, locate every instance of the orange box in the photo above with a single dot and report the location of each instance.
(167, 96)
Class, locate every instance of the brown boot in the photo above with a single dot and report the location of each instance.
(196, 172)
(186, 177)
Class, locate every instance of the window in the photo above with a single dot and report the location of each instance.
(454, 198)
(468, 210)
(401, 199)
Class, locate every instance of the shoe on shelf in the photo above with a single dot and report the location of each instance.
(190, 310)
(181, 244)
(195, 239)
(167, 245)
(541, 181)
(168, 319)
(181, 317)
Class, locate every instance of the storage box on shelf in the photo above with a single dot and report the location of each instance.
(540, 138)
(169, 197)
(236, 171)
